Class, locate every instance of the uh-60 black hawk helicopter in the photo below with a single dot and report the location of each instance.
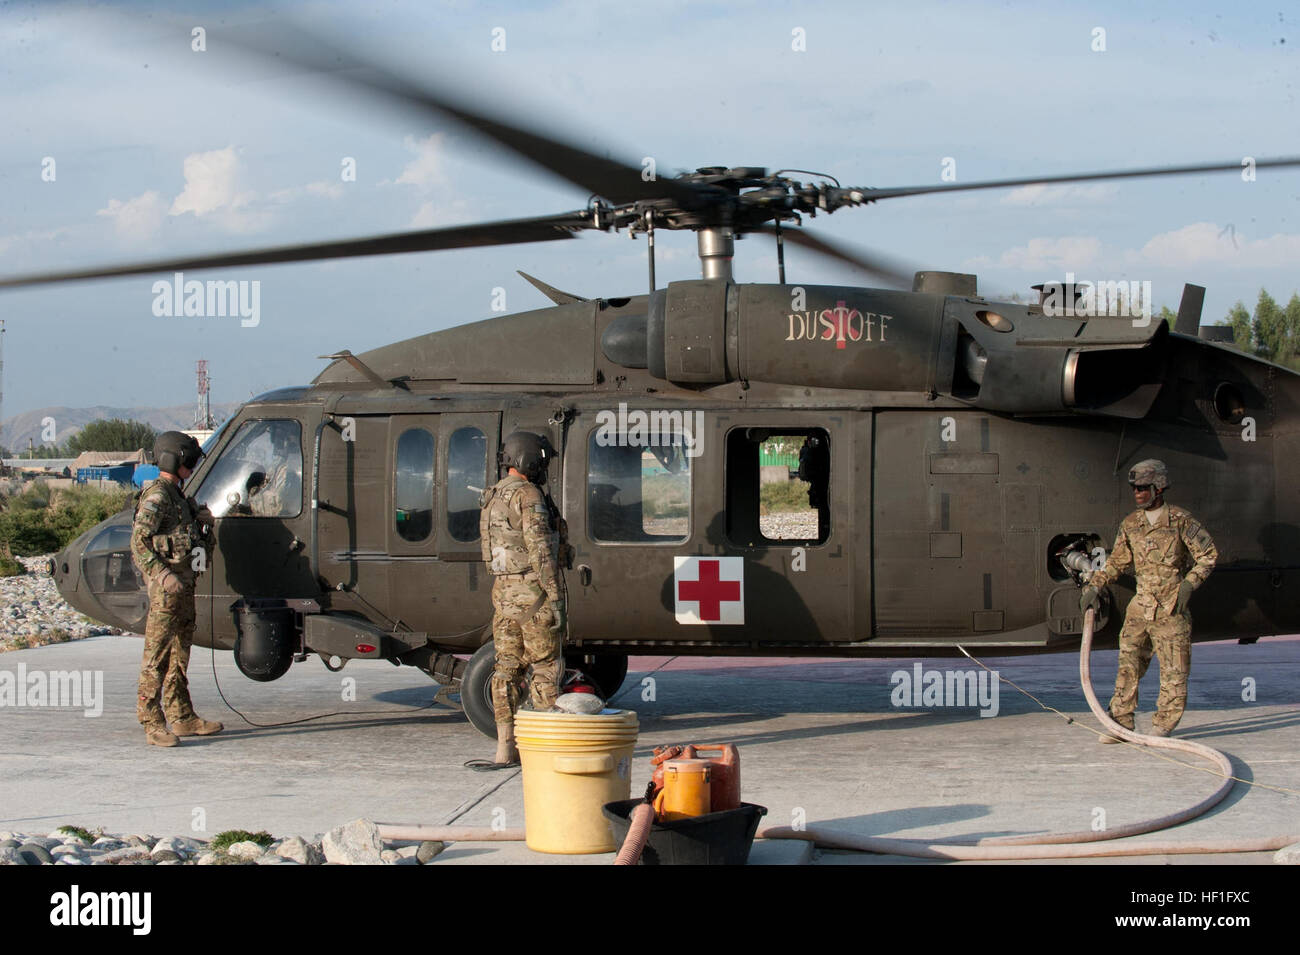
(964, 457)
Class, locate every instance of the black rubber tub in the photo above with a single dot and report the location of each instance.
(719, 838)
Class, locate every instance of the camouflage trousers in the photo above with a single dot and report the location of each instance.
(1171, 640)
(168, 635)
(523, 641)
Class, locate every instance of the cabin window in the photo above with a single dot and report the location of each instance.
(259, 473)
(778, 485)
(466, 479)
(413, 485)
(638, 492)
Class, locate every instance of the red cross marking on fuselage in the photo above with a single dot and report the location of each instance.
(709, 591)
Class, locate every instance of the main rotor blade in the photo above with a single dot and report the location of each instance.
(608, 178)
(894, 273)
(508, 232)
(869, 195)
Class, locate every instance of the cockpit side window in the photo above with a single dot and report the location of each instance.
(259, 474)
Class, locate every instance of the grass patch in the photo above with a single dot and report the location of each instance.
(224, 840)
(34, 522)
(781, 496)
(29, 641)
(9, 567)
(85, 835)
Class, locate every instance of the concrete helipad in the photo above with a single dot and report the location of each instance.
(821, 742)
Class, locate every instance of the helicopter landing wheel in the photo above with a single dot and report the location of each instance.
(476, 689)
(607, 671)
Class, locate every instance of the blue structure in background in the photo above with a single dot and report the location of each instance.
(121, 473)
(144, 473)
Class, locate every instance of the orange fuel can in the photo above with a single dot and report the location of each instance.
(724, 763)
(686, 789)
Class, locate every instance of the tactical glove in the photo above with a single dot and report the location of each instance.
(1088, 598)
(172, 584)
(561, 617)
(1184, 597)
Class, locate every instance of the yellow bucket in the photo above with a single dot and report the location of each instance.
(572, 765)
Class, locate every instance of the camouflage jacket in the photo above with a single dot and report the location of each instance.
(165, 532)
(515, 528)
(1161, 556)
(269, 499)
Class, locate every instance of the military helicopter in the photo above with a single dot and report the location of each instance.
(964, 457)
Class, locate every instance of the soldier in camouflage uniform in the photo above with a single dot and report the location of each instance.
(168, 530)
(278, 493)
(520, 540)
(265, 499)
(1170, 554)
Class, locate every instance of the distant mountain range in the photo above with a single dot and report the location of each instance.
(15, 431)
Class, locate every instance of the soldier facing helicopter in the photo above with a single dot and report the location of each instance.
(167, 531)
(521, 550)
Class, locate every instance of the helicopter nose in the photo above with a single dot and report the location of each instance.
(95, 576)
(65, 568)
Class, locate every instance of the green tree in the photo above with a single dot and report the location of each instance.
(1292, 322)
(1166, 314)
(114, 434)
(1239, 319)
(1269, 327)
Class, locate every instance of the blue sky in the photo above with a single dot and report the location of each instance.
(159, 150)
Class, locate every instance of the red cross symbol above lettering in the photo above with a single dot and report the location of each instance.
(709, 590)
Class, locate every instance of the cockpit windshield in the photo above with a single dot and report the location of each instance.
(259, 474)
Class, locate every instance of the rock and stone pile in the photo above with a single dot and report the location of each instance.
(356, 843)
(32, 612)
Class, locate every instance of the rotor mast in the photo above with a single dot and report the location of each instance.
(717, 245)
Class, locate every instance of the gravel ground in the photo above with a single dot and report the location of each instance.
(32, 613)
(357, 843)
(789, 525)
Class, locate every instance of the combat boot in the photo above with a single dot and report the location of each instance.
(157, 735)
(1115, 739)
(196, 726)
(507, 753)
(1160, 731)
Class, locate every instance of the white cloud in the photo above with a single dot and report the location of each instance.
(426, 169)
(1043, 194)
(329, 190)
(433, 215)
(30, 238)
(210, 183)
(1206, 242)
(1044, 254)
(136, 218)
